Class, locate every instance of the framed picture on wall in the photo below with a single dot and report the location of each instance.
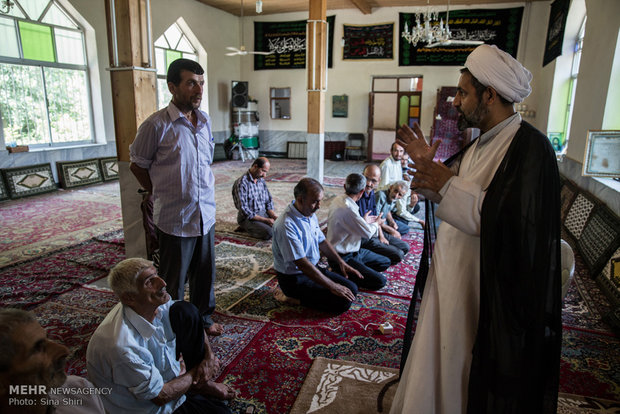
(340, 106)
(602, 156)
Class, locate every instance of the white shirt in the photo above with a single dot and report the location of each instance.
(391, 171)
(135, 358)
(345, 226)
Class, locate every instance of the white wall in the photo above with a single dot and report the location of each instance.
(353, 78)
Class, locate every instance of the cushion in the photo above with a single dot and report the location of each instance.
(109, 168)
(611, 272)
(78, 173)
(568, 193)
(29, 180)
(599, 238)
(578, 215)
(4, 194)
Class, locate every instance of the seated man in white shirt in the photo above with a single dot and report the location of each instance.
(32, 370)
(346, 229)
(391, 167)
(153, 352)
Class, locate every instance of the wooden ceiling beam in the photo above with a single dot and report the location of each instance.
(363, 6)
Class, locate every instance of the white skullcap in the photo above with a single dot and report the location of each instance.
(495, 68)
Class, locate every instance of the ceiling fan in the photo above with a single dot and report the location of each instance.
(242, 51)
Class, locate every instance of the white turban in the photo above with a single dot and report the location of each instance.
(495, 68)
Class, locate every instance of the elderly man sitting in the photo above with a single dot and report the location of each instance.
(346, 229)
(386, 205)
(31, 365)
(151, 351)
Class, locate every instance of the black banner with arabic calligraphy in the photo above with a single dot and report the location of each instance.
(500, 27)
(288, 42)
(368, 42)
(555, 30)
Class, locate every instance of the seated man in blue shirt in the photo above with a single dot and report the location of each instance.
(383, 242)
(297, 246)
(153, 352)
(253, 201)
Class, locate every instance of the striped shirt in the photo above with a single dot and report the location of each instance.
(251, 198)
(178, 156)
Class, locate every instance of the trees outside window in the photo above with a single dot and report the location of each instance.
(45, 94)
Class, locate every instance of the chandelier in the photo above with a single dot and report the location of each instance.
(6, 6)
(426, 28)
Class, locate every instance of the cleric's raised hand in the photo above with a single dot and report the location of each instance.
(412, 140)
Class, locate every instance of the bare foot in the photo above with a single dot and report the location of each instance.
(215, 330)
(282, 298)
(218, 390)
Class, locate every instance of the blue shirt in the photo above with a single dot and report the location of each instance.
(367, 203)
(135, 358)
(295, 236)
(178, 156)
(383, 205)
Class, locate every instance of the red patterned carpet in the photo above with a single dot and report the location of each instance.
(267, 348)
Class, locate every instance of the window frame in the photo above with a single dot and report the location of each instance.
(41, 65)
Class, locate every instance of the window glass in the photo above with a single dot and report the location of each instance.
(160, 61)
(185, 46)
(33, 8)
(171, 56)
(173, 35)
(37, 41)
(162, 42)
(69, 46)
(8, 45)
(163, 94)
(22, 104)
(55, 16)
(68, 104)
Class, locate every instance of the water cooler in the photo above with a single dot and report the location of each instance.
(245, 130)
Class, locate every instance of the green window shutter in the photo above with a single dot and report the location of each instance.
(37, 41)
(171, 56)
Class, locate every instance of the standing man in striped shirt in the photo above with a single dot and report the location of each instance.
(253, 200)
(171, 158)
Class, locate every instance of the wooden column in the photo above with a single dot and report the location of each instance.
(134, 98)
(316, 64)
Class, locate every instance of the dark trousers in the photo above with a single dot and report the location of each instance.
(257, 229)
(187, 326)
(192, 258)
(314, 295)
(370, 265)
(403, 225)
(395, 250)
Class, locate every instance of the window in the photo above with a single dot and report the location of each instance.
(574, 73)
(280, 99)
(172, 45)
(45, 98)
